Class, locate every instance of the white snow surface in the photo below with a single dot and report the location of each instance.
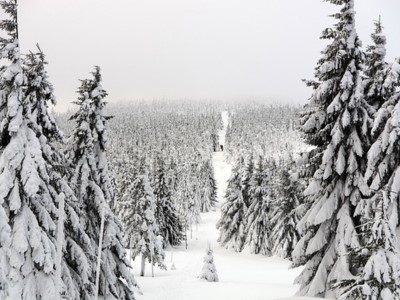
(243, 276)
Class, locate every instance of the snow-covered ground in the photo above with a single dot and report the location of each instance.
(242, 276)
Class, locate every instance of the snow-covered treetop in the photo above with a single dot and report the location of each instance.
(39, 93)
(345, 42)
(11, 75)
(337, 82)
(375, 66)
(90, 118)
(97, 94)
(377, 52)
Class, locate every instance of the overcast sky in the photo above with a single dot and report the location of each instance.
(190, 48)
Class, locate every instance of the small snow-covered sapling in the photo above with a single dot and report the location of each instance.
(209, 272)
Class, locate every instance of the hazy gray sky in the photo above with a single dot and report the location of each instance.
(190, 48)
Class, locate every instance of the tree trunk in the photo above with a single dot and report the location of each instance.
(143, 265)
(152, 267)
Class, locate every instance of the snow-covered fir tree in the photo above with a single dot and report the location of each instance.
(284, 216)
(375, 67)
(387, 92)
(209, 272)
(232, 223)
(209, 190)
(11, 81)
(28, 204)
(126, 171)
(338, 127)
(38, 94)
(93, 188)
(172, 175)
(125, 207)
(383, 161)
(247, 173)
(193, 200)
(166, 213)
(142, 231)
(379, 255)
(306, 166)
(35, 177)
(258, 226)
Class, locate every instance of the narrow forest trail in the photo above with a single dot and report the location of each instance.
(242, 276)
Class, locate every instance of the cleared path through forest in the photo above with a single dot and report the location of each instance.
(243, 276)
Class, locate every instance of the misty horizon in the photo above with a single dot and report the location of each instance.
(190, 50)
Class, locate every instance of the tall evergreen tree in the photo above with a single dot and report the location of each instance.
(33, 173)
(338, 128)
(93, 188)
(28, 202)
(232, 223)
(38, 93)
(138, 213)
(288, 197)
(11, 80)
(247, 173)
(193, 199)
(258, 226)
(166, 213)
(209, 189)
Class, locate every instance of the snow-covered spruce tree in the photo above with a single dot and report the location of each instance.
(209, 190)
(209, 272)
(193, 198)
(338, 127)
(232, 223)
(380, 274)
(30, 187)
(305, 168)
(35, 179)
(258, 227)
(172, 175)
(93, 188)
(11, 81)
(383, 160)
(375, 67)
(166, 213)
(247, 173)
(126, 171)
(387, 92)
(38, 93)
(125, 206)
(284, 217)
(182, 196)
(138, 214)
(382, 80)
